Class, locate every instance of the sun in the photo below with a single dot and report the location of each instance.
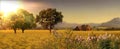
(6, 7)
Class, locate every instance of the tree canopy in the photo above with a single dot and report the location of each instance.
(49, 17)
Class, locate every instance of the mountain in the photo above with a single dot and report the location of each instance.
(115, 23)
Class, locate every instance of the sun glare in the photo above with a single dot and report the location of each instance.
(6, 7)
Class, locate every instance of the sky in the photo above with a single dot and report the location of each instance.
(76, 11)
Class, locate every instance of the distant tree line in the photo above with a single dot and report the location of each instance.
(83, 27)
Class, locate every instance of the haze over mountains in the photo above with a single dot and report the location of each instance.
(72, 25)
(115, 23)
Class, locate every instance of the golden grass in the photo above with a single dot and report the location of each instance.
(32, 39)
(46, 33)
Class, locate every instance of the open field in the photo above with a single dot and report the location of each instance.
(40, 39)
(44, 33)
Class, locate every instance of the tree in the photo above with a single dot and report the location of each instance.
(86, 27)
(22, 20)
(16, 25)
(1, 14)
(48, 18)
(83, 27)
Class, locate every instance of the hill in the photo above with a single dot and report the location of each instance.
(114, 23)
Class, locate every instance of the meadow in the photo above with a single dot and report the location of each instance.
(64, 39)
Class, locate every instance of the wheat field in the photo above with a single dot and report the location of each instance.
(32, 39)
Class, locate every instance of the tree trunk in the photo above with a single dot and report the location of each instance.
(50, 29)
(23, 30)
(15, 31)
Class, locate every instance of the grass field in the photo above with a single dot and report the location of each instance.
(46, 32)
(35, 39)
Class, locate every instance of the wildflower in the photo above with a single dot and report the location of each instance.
(106, 36)
(79, 38)
(88, 38)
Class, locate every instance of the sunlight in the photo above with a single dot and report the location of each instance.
(7, 7)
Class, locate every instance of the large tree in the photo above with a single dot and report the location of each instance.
(48, 18)
(22, 20)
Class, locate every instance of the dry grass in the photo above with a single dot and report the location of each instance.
(32, 39)
(44, 33)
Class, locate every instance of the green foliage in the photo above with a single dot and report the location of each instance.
(22, 20)
(17, 24)
(49, 17)
(105, 44)
(28, 17)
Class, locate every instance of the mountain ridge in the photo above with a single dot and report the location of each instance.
(115, 23)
